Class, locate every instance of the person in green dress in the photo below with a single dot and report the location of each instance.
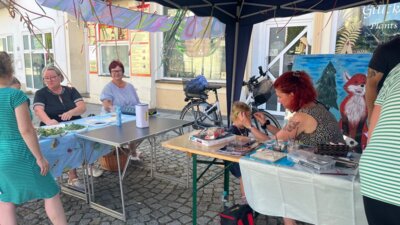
(23, 169)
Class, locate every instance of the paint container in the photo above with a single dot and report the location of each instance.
(142, 115)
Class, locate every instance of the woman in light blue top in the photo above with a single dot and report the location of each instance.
(118, 92)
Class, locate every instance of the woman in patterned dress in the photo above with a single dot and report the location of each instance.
(23, 169)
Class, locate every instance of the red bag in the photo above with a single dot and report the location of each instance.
(237, 215)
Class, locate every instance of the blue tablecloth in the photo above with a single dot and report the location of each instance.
(65, 153)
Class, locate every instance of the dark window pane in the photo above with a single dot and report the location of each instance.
(26, 42)
(49, 58)
(48, 41)
(38, 64)
(272, 102)
(276, 41)
(29, 83)
(10, 43)
(109, 53)
(37, 41)
(28, 70)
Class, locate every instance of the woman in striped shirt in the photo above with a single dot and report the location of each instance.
(380, 162)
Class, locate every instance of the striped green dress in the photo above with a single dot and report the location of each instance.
(20, 179)
(380, 162)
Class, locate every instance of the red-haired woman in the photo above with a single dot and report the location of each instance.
(311, 124)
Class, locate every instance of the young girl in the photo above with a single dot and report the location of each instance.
(241, 125)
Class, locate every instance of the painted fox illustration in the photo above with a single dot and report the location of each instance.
(353, 109)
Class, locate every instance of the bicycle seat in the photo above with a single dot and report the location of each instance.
(213, 87)
(189, 96)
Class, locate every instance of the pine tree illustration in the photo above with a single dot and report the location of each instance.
(326, 87)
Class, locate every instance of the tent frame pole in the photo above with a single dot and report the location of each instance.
(234, 65)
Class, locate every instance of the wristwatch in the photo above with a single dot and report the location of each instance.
(264, 126)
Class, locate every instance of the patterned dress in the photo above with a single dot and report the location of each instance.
(327, 129)
(20, 178)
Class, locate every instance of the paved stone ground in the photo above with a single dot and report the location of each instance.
(147, 200)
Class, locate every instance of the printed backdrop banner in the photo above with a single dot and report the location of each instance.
(340, 82)
(362, 29)
(99, 12)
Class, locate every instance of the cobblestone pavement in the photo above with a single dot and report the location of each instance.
(148, 200)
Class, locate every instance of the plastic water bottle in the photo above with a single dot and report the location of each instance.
(224, 199)
(119, 115)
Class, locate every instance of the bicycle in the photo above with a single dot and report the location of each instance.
(204, 115)
(200, 111)
(259, 93)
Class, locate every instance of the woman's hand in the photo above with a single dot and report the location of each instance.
(242, 138)
(107, 105)
(66, 116)
(44, 165)
(51, 122)
(260, 117)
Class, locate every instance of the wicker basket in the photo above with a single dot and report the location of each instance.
(109, 161)
(262, 92)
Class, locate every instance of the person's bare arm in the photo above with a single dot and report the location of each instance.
(107, 104)
(289, 131)
(77, 111)
(371, 90)
(42, 115)
(246, 121)
(28, 133)
(273, 129)
(374, 120)
(297, 124)
(259, 135)
(260, 117)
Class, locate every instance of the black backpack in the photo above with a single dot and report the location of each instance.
(237, 215)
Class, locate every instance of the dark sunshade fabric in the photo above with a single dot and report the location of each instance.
(240, 16)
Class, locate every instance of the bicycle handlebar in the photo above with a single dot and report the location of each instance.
(254, 79)
(260, 71)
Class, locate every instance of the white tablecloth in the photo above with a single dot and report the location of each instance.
(312, 198)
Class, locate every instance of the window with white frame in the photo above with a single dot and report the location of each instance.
(113, 45)
(7, 45)
(110, 52)
(276, 43)
(189, 58)
(38, 53)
